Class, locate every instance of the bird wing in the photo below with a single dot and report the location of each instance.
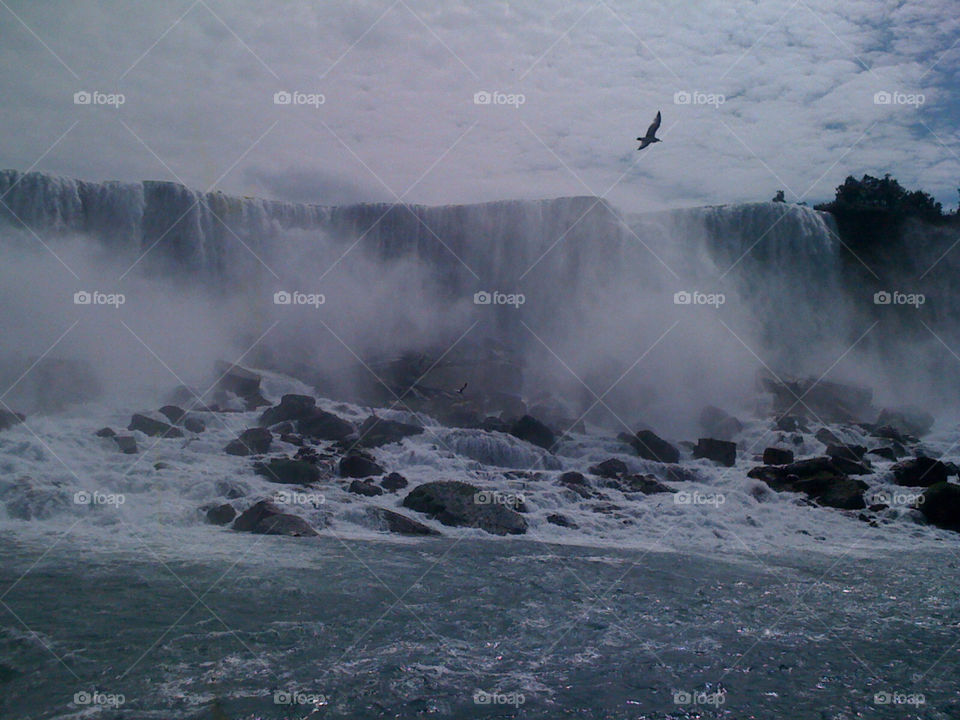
(643, 143)
(654, 126)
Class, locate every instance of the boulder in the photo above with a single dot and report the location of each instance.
(292, 439)
(561, 521)
(357, 465)
(850, 452)
(790, 423)
(884, 452)
(172, 413)
(494, 424)
(291, 407)
(194, 424)
(375, 432)
(456, 504)
(287, 471)
(393, 482)
(252, 441)
(611, 468)
(777, 456)
(325, 426)
(241, 382)
(822, 399)
(719, 451)
(127, 444)
(365, 487)
(105, 432)
(649, 446)
(221, 514)
(908, 419)
(719, 423)
(153, 426)
(9, 419)
(533, 431)
(851, 467)
(390, 521)
(828, 437)
(646, 484)
(818, 478)
(941, 505)
(920, 472)
(265, 518)
(889, 432)
(573, 478)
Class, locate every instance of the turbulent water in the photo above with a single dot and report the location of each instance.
(724, 599)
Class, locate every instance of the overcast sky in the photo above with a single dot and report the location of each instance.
(398, 80)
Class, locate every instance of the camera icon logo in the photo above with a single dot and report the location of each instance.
(482, 98)
(282, 297)
(82, 698)
(682, 97)
(882, 298)
(482, 298)
(82, 97)
(882, 98)
(82, 297)
(282, 97)
(882, 698)
(682, 697)
(82, 497)
(682, 298)
(481, 697)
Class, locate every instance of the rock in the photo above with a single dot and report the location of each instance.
(393, 482)
(265, 518)
(160, 466)
(533, 431)
(824, 400)
(776, 456)
(325, 426)
(231, 490)
(252, 441)
(102, 432)
(719, 451)
(221, 514)
(651, 447)
(375, 432)
(307, 453)
(562, 521)
(457, 504)
(8, 419)
(495, 424)
(884, 452)
(920, 472)
(941, 505)
(573, 478)
(790, 423)
(646, 484)
(172, 413)
(611, 468)
(288, 472)
(194, 424)
(828, 437)
(357, 465)
(851, 467)
(127, 444)
(153, 426)
(719, 423)
(818, 478)
(292, 439)
(908, 419)
(365, 487)
(850, 452)
(888, 432)
(388, 520)
(291, 407)
(241, 382)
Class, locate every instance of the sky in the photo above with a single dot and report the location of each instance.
(436, 102)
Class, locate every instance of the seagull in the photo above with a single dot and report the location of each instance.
(460, 391)
(650, 137)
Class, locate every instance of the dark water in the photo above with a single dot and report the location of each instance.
(379, 630)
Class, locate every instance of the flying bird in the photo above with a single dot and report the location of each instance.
(651, 136)
(460, 391)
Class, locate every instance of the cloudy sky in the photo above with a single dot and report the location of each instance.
(755, 96)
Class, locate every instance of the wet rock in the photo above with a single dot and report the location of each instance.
(103, 432)
(265, 518)
(153, 426)
(888, 432)
(790, 423)
(533, 431)
(719, 423)
(376, 432)
(292, 439)
(650, 446)
(920, 472)
(573, 478)
(843, 450)
(611, 468)
(646, 484)
(941, 505)
(357, 465)
(390, 521)
(231, 490)
(365, 487)
(818, 478)
(561, 521)
(883, 452)
(287, 471)
(393, 482)
(126, 444)
(161, 466)
(291, 407)
(851, 467)
(495, 424)
(221, 514)
(908, 419)
(172, 413)
(252, 441)
(307, 454)
(828, 437)
(243, 383)
(325, 426)
(823, 399)
(776, 456)
(194, 424)
(719, 451)
(456, 503)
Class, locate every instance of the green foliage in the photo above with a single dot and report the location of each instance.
(885, 195)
